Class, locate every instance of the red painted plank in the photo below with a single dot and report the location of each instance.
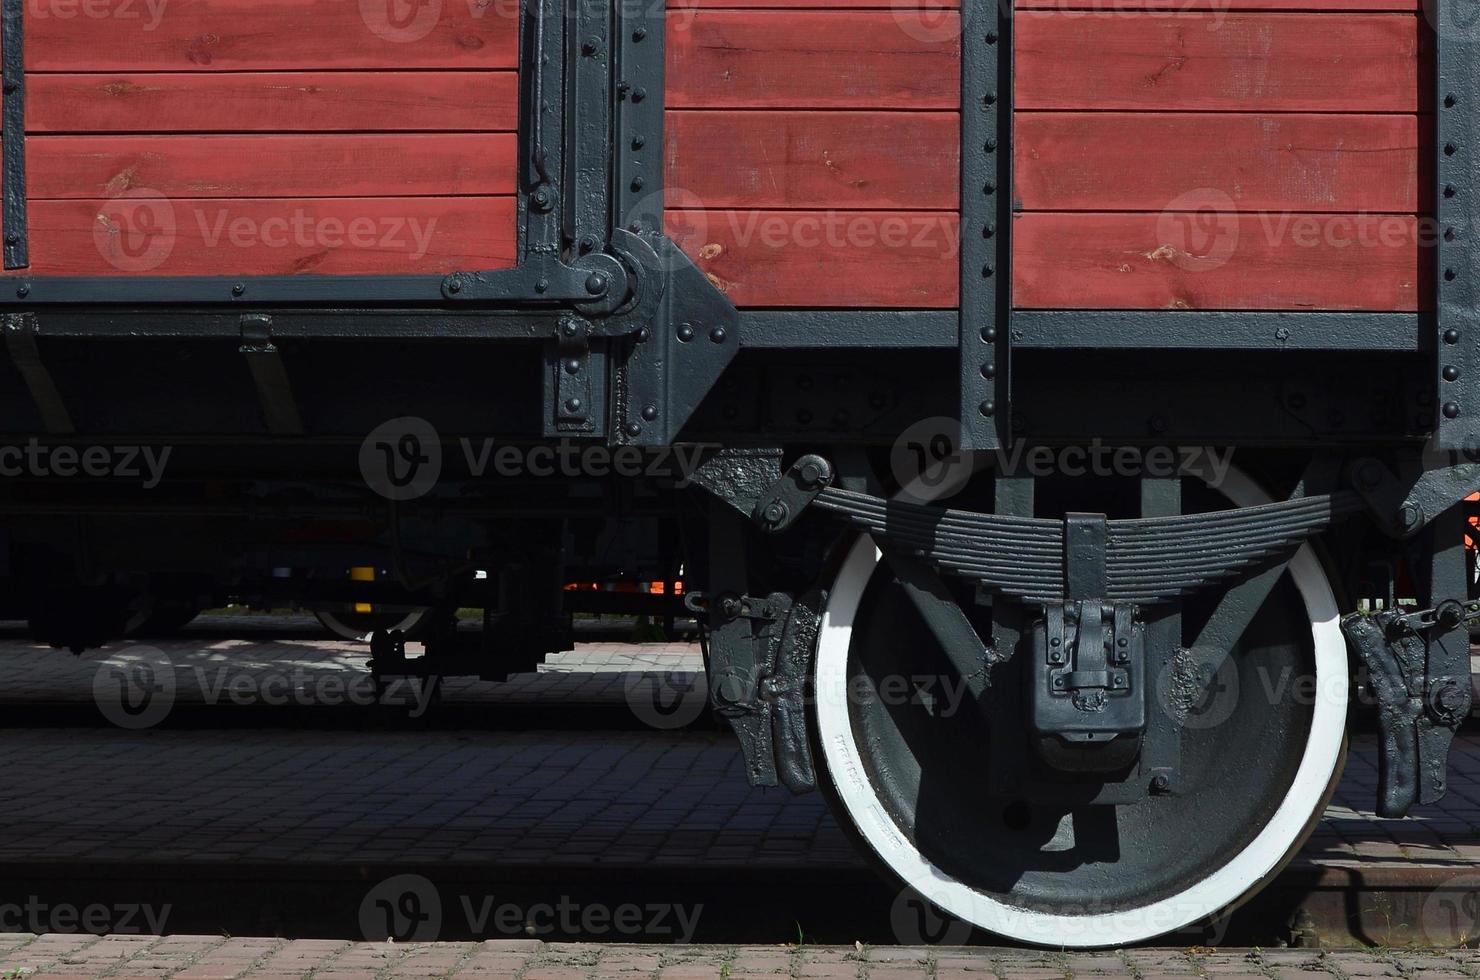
(219, 35)
(813, 159)
(384, 165)
(278, 102)
(888, 259)
(1286, 62)
(135, 235)
(1205, 261)
(800, 59)
(1116, 161)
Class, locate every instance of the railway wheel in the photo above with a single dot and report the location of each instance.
(914, 779)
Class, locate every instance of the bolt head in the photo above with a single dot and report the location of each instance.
(1451, 410)
(573, 405)
(717, 335)
(596, 284)
(650, 412)
(572, 366)
(1451, 373)
(634, 430)
(685, 332)
(1160, 783)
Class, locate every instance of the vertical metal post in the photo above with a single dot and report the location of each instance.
(986, 221)
(13, 134)
(1161, 746)
(1456, 25)
(541, 127)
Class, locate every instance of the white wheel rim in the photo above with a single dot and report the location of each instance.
(1203, 898)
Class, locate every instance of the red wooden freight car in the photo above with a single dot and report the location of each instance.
(1047, 376)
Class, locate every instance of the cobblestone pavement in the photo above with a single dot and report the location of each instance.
(55, 957)
(618, 798)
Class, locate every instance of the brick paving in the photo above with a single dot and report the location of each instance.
(57, 957)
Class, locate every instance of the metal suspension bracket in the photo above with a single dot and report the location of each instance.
(1420, 673)
(1402, 507)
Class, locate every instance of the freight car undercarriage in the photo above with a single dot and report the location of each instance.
(1139, 679)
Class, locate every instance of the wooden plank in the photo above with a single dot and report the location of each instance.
(1283, 62)
(277, 102)
(835, 159)
(850, 259)
(225, 35)
(1192, 261)
(1117, 161)
(739, 59)
(384, 165)
(152, 235)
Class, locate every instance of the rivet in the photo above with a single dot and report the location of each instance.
(650, 412)
(1449, 234)
(634, 430)
(637, 183)
(987, 271)
(590, 46)
(1451, 336)
(638, 94)
(638, 142)
(990, 37)
(989, 188)
(1451, 410)
(988, 407)
(635, 227)
(989, 98)
(1449, 190)
(572, 405)
(596, 284)
(540, 285)
(1449, 149)
(23, 291)
(685, 332)
(238, 289)
(639, 34)
(572, 366)
(1450, 101)
(988, 231)
(717, 335)
(989, 334)
(454, 286)
(988, 370)
(12, 239)
(1451, 373)
(643, 333)
(1449, 275)
(990, 145)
